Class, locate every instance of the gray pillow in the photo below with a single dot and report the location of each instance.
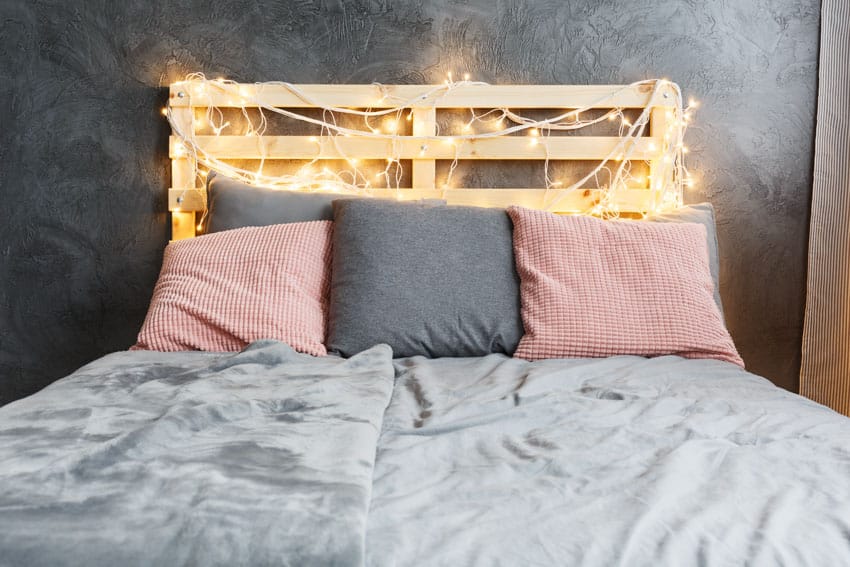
(426, 280)
(703, 214)
(233, 204)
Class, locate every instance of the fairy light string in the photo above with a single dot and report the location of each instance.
(612, 174)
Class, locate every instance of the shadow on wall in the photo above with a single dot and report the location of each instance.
(84, 147)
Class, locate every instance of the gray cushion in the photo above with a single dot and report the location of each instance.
(703, 214)
(432, 281)
(233, 204)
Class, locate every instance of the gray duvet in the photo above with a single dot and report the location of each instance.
(260, 458)
(617, 461)
(268, 457)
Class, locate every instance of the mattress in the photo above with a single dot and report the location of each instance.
(270, 457)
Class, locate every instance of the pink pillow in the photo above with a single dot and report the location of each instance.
(594, 288)
(221, 291)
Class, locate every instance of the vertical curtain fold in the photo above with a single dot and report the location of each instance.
(825, 371)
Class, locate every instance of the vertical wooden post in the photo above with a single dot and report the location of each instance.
(424, 170)
(183, 175)
(660, 121)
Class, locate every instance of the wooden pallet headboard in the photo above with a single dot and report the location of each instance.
(187, 101)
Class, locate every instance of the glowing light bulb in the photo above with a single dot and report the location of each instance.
(200, 227)
(352, 161)
(466, 76)
(450, 141)
(313, 139)
(164, 111)
(410, 116)
(693, 103)
(392, 126)
(612, 117)
(534, 132)
(685, 149)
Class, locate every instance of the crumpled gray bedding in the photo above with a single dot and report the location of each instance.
(259, 458)
(617, 461)
(268, 457)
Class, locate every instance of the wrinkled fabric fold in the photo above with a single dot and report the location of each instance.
(260, 458)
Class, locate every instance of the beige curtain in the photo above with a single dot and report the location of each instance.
(825, 372)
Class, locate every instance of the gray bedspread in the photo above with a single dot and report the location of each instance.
(260, 458)
(268, 457)
(619, 461)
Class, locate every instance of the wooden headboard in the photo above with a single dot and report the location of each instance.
(192, 149)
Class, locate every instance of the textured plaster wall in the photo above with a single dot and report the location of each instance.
(83, 167)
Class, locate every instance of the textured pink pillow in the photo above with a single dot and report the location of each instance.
(593, 288)
(221, 291)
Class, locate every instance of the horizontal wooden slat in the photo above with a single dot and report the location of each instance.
(632, 201)
(466, 96)
(507, 147)
(186, 199)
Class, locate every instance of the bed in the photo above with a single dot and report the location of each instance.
(393, 452)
